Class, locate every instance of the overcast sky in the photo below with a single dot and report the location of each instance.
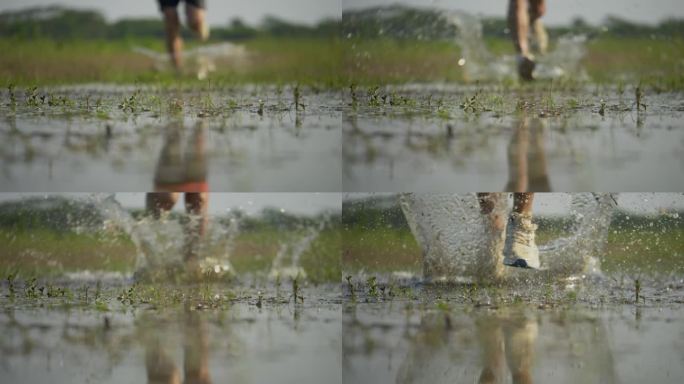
(557, 11)
(218, 11)
(311, 11)
(250, 203)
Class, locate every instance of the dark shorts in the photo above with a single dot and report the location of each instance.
(174, 3)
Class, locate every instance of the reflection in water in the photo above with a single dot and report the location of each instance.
(390, 149)
(99, 149)
(506, 342)
(513, 344)
(510, 349)
(161, 369)
(516, 337)
(527, 158)
(179, 344)
(182, 165)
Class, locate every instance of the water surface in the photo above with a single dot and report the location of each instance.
(433, 139)
(111, 138)
(226, 337)
(402, 342)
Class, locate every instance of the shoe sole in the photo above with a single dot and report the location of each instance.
(519, 263)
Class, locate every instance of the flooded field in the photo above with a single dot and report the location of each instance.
(606, 308)
(96, 291)
(103, 138)
(445, 337)
(117, 332)
(342, 192)
(436, 138)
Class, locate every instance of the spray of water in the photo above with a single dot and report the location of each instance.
(292, 251)
(456, 245)
(162, 244)
(480, 64)
(204, 57)
(586, 237)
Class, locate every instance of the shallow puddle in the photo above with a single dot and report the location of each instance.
(225, 339)
(462, 139)
(101, 138)
(440, 338)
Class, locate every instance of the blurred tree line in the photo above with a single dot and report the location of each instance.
(59, 23)
(399, 22)
(402, 22)
(62, 214)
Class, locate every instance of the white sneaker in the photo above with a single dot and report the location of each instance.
(520, 250)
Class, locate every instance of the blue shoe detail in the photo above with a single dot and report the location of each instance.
(519, 263)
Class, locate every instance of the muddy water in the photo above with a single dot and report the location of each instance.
(47, 341)
(563, 145)
(468, 340)
(238, 139)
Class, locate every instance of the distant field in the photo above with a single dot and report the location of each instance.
(45, 252)
(321, 61)
(655, 62)
(270, 60)
(628, 251)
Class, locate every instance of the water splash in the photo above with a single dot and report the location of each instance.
(204, 56)
(452, 234)
(292, 251)
(591, 215)
(163, 243)
(449, 229)
(480, 64)
(158, 245)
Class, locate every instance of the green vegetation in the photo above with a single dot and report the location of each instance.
(55, 45)
(609, 60)
(42, 252)
(631, 252)
(398, 44)
(269, 60)
(380, 250)
(411, 46)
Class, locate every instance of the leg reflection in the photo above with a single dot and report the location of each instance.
(196, 350)
(491, 337)
(182, 168)
(517, 157)
(160, 366)
(161, 369)
(537, 171)
(513, 336)
(527, 169)
(520, 337)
